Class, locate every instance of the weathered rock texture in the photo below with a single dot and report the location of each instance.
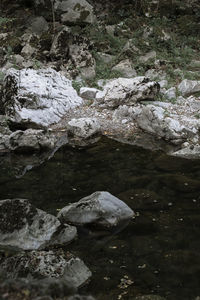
(37, 97)
(100, 208)
(67, 11)
(22, 226)
(45, 264)
(165, 123)
(83, 127)
(127, 91)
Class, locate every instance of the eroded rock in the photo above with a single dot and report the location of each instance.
(127, 91)
(100, 208)
(165, 124)
(23, 226)
(189, 87)
(83, 127)
(37, 98)
(48, 264)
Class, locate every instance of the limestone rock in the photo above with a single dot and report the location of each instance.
(100, 208)
(23, 226)
(164, 124)
(76, 11)
(37, 98)
(170, 93)
(127, 91)
(83, 127)
(125, 68)
(189, 87)
(38, 25)
(67, 11)
(48, 264)
(147, 56)
(88, 93)
(31, 140)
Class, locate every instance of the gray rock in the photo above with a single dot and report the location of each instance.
(76, 11)
(28, 50)
(48, 264)
(163, 83)
(38, 25)
(88, 93)
(155, 74)
(67, 11)
(100, 208)
(189, 152)
(22, 226)
(37, 97)
(83, 60)
(127, 91)
(31, 140)
(189, 87)
(125, 68)
(106, 58)
(162, 123)
(83, 127)
(149, 297)
(170, 93)
(147, 56)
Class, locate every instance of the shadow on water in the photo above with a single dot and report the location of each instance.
(159, 251)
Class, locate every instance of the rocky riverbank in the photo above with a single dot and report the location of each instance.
(71, 72)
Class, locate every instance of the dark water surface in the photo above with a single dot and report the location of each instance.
(159, 251)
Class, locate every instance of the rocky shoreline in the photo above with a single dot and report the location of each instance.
(71, 72)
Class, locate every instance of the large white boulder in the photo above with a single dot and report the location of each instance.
(37, 98)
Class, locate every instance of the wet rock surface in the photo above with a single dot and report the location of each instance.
(47, 264)
(100, 208)
(25, 227)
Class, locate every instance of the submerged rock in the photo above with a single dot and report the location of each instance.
(48, 264)
(100, 208)
(127, 91)
(23, 226)
(37, 98)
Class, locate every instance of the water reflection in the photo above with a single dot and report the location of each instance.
(159, 251)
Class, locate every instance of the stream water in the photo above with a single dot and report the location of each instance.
(159, 251)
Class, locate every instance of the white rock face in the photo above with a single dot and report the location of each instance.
(164, 123)
(25, 227)
(100, 208)
(48, 264)
(83, 127)
(127, 91)
(189, 87)
(38, 97)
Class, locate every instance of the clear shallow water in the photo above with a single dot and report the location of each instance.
(159, 251)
